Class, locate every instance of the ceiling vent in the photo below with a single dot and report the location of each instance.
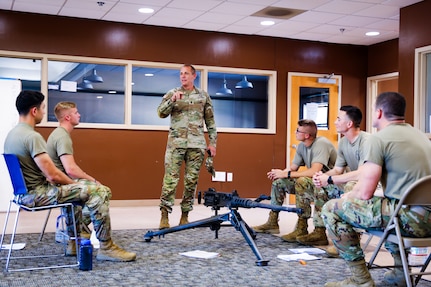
(278, 13)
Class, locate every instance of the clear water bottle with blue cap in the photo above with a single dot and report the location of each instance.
(86, 255)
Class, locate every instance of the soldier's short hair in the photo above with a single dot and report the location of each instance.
(310, 126)
(61, 107)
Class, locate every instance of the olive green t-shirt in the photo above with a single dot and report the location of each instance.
(320, 151)
(403, 152)
(351, 154)
(26, 144)
(59, 143)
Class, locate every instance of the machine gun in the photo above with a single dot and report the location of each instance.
(232, 201)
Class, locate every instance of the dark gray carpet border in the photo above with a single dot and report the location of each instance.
(159, 263)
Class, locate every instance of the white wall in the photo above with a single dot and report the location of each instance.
(9, 90)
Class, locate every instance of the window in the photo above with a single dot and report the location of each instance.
(313, 104)
(148, 87)
(124, 94)
(27, 70)
(422, 92)
(240, 101)
(97, 89)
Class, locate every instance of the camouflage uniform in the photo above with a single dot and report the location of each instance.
(395, 147)
(321, 151)
(349, 156)
(26, 143)
(303, 189)
(60, 143)
(186, 142)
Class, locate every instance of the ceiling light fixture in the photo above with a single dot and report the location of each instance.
(244, 84)
(224, 91)
(84, 85)
(146, 10)
(94, 78)
(267, 23)
(372, 33)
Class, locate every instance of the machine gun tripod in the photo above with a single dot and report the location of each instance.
(231, 200)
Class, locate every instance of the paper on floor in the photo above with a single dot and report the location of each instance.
(296, 257)
(308, 250)
(16, 246)
(200, 254)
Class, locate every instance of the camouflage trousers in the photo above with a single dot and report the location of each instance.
(324, 194)
(94, 197)
(341, 217)
(193, 159)
(302, 187)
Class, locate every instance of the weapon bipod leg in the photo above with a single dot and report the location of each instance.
(214, 223)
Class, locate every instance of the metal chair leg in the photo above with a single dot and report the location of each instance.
(44, 225)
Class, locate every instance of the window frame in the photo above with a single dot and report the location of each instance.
(420, 88)
(128, 65)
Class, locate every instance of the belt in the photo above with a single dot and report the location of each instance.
(421, 211)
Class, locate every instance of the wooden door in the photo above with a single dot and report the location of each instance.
(297, 84)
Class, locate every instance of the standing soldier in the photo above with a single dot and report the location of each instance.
(189, 107)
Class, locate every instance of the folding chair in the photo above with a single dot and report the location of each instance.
(417, 196)
(20, 189)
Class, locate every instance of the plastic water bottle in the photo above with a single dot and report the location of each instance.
(86, 255)
(418, 255)
(60, 231)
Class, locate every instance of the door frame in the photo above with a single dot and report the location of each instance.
(289, 103)
(372, 93)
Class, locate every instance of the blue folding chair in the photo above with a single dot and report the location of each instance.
(20, 189)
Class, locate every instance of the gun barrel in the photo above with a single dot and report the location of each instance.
(248, 203)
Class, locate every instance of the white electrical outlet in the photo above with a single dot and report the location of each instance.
(219, 176)
(229, 176)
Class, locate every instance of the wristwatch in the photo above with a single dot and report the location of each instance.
(330, 181)
(288, 174)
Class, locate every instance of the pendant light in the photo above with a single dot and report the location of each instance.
(94, 77)
(244, 84)
(85, 85)
(223, 91)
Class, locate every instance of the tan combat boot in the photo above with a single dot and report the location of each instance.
(317, 237)
(332, 251)
(184, 218)
(271, 226)
(361, 277)
(71, 248)
(109, 251)
(164, 220)
(85, 234)
(396, 276)
(300, 229)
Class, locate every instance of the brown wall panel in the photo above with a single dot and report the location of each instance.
(414, 33)
(131, 162)
(383, 58)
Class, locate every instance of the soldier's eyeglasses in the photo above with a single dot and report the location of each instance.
(298, 131)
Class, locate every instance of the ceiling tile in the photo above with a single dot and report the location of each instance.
(237, 8)
(316, 17)
(219, 18)
(234, 16)
(199, 5)
(343, 7)
(379, 11)
(354, 21)
(300, 4)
